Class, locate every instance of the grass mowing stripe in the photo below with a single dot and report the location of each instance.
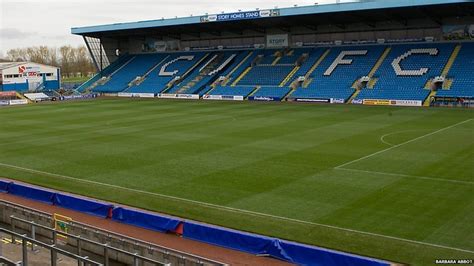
(404, 143)
(266, 158)
(235, 210)
(408, 176)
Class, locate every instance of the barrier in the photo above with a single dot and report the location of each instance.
(376, 102)
(227, 238)
(312, 100)
(78, 97)
(337, 101)
(188, 96)
(224, 97)
(220, 236)
(357, 101)
(263, 98)
(124, 94)
(82, 205)
(136, 95)
(4, 186)
(31, 193)
(179, 96)
(167, 96)
(4, 103)
(145, 220)
(7, 93)
(392, 102)
(62, 200)
(284, 250)
(18, 102)
(405, 103)
(143, 95)
(212, 97)
(308, 255)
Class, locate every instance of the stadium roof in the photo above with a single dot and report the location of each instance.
(6, 65)
(368, 10)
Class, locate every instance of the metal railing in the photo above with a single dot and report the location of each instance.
(7, 262)
(161, 249)
(80, 240)
(54, 250)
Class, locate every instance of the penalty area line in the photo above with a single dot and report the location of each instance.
(230, 209)
(408, 176)
(401, 144)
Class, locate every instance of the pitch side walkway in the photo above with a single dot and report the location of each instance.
(231, 257)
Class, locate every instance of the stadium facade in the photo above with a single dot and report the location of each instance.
(26, 76)
(366, 52)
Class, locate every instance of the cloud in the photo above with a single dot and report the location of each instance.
(48, 22)
(15, 34)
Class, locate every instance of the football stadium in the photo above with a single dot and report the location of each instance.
(330, 134)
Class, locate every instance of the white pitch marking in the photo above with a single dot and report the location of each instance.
(235, 210)
(382, 139)
(410, 176)
(404, 143)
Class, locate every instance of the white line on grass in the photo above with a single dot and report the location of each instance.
(230, 209)
(382, 139)
(386, 135)
(401, 144)
(410, 176)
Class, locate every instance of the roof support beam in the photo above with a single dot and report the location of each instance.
(428, 15)
(311, 27)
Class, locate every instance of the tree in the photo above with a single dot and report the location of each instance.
(71, 60)
(16, 55)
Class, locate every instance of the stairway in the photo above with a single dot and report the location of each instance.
(353, 96)
(254, 91)
(185, 75)
(241, 76)
(444, 74)
(371, 74)
(451, 60)
(379, 62)
(278, 55)
(313, 68)
(288, 78)
(202, 74)
(235, 69)
(21, 96)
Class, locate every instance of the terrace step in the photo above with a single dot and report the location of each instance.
(290, 76)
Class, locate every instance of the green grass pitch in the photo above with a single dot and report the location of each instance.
(392, 183)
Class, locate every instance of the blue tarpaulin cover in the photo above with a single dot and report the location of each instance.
(261, 245)
(4, 186)
(31, 193)
(145, 220)
(82, 205)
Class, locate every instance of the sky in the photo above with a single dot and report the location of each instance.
(25, 23)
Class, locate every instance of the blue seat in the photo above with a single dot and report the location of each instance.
(391, 86)
(339, 83)
(233, 91)
(462, 74)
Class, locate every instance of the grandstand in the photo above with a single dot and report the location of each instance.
(359, 52)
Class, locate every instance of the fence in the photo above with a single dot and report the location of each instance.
(87, 232)
(51, 247)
